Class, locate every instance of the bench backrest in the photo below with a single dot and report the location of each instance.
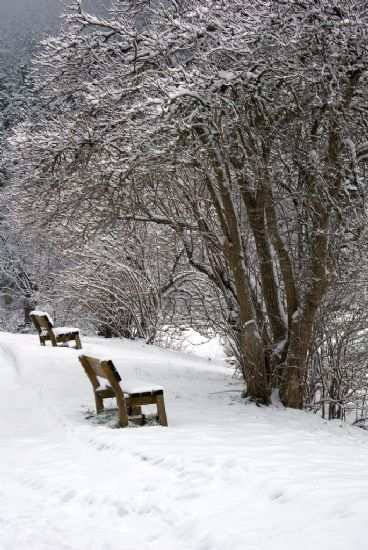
(101, 368)
(95, 367)
(41, 321)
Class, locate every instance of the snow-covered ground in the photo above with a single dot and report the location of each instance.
(191, 341)
(224, 475)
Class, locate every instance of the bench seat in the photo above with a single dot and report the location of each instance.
(135, 388)
(59, 331)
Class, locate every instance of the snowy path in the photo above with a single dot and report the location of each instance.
(223, 475)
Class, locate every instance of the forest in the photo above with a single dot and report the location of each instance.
(195, 164)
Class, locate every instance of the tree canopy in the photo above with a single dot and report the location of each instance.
(239, 126)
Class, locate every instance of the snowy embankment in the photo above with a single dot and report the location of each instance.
(224, 475)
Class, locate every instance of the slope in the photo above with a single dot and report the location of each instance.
(225, 474)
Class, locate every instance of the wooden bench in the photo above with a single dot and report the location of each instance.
(57, 335)
(130, 396)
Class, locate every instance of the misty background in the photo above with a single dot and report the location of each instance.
(23, 23)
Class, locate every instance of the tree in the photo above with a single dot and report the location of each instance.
(131, 282)
(238, 125)
(337, 384)
(25, 277)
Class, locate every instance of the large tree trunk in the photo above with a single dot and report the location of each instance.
(254, 365)
(292, 383)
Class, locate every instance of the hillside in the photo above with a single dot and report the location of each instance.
(225, 474)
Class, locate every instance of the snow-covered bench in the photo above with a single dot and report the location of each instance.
(57, 335)
(130, 395)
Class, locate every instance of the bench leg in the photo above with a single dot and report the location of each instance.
(161, 410)
(99, 403)
(53, 340)
(78, 344)
(123, 415)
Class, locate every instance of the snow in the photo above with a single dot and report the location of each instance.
(185, 92)
(279, 348)
(224, 474)
(59, 331)
(191, 341)
(137, 386)
(64, 330)
(226, 75)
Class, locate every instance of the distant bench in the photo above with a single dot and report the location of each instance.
(130, 396)
(57, 335)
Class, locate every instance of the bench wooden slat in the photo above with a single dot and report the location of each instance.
(105, 393)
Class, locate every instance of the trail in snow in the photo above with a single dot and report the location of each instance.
(223, 475)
